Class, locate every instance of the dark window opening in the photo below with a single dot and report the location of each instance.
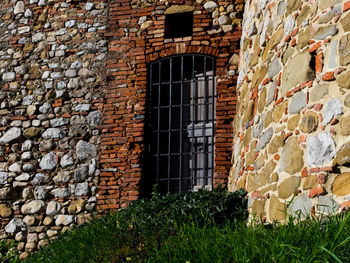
(181, 123)
(178, 25)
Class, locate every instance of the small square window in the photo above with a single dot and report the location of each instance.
(178, 25)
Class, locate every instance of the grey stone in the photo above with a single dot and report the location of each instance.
(94, 118)
(48, 162)
(11, 135)
(40, 192)
(297, 103)
(324, 32)
(82, 189)
(210, 5)
(89, 6)
(76, 64)
(39, 178)
(45, 108)
(27, 145)
(320, 149)
(53, 133)
(53, 208)
(19, 8)
(33, 207)
(3, 178)
(28, 167)
(38, 37)
(46, 145)
(27, 100)
(59, 122)
(60, 192)
(264, 139)
(85, 150)
(325, 18)
(82, 107)
(23, 177)
(81, 172)
(79, 120)
(64, 220)
(71, 73)
(5, 193)
(28, 13)
(300, 207)
(92, 166)
(253, 30)
(67, 160)
(70, 23)
(326, 205)
(281, 8)
(333, 109)
(318, 92)
(289, 25)
(274, 68)
(15, 225)
(15, 167)
(224, 20)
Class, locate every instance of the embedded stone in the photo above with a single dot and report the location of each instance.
(288, 187)
(23, 177)
(81, 172)
(326, 31)
(297, 103)
(342, 157)
(318, 92)
(264, 139)
(289, 25)
(292, 160)
(76, 206)
(344, 50)
(53, 208)
(31, 132)
(33, 207)
(64, 220)
(9, 76)
(224, 20)
(304, 13)
(37, 37)
(345, 126)
(19, 8)
(5, 210)
(15, 225)
(320, 149)
(53, 133)
(40, 192)
(48, 162)
(300, 207)
(310, 182)
(258, 208)
(274, 68)
(60, 192)
(3, 178)
(343, 80)
(333, 109)
(304, 37)
(309, 122)
(67, 160)
(276, 143)
(175, 9)
(326, 205)
(94, 118)
(293, 122)
(345, 22)
(279, 110)
(85, 150)
(11, 135)
(324, 4)
(276, 209)
(292, 77)
(292, 6)
(210, 5)
(62, 177)
(341, 185)
(82, 189)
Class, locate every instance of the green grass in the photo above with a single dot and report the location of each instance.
(199, 227)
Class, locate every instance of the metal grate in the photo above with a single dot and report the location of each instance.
(182, 122)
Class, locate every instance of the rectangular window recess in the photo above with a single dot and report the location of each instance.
(178, 25)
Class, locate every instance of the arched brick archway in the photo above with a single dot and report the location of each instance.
(123, 128)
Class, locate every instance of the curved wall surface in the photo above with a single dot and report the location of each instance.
(291, 144)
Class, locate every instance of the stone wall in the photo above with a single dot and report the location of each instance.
(52, 63)
(291, 143)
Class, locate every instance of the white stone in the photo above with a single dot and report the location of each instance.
(53, 208)
(9, 76)
(210, 5)
(53, 133)
(15, 167)
(85, 150)
(320, 149)
(64, 220)
(19, 8)
(67, 160)
(11, 135)
(37, 37)
(33, 207)
(289, 25)
(48, 162)
(333, 109)
(15, 225)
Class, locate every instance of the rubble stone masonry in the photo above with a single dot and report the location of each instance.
(291, 142)
(73, 78)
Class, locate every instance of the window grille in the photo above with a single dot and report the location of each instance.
(181, 128)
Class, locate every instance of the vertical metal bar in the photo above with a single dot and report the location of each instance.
(192, 120)
(158, 121)
(205, 146)
(181, 124)
(169, 132)
(213, 119)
